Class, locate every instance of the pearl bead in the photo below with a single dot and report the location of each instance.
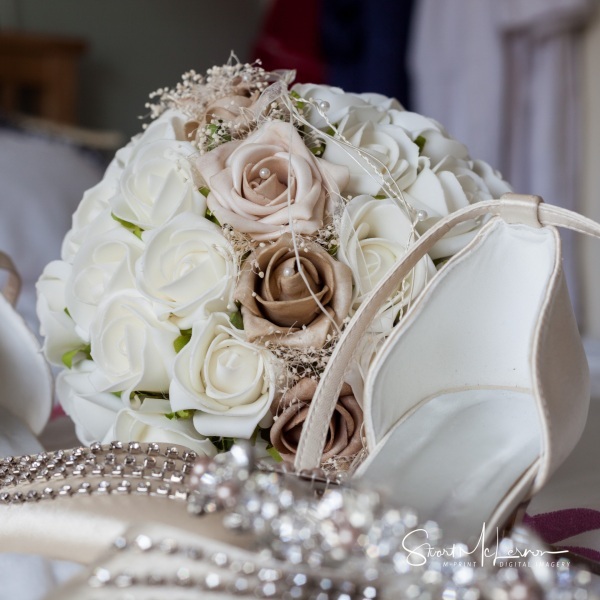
(265, 173)
(421, 215)
(324, 105)
(288, 271)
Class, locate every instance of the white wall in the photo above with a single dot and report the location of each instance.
(590, 204)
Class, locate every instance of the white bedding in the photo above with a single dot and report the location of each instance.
(42, 181)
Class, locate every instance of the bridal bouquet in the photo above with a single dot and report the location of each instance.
(207, 278)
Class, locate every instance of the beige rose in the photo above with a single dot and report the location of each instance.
(344, 438)
(276, 303)
(236, 110)
(251, 182)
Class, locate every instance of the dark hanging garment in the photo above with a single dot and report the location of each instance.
(290, 40)
(364, 45)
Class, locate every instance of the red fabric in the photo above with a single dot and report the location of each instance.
(290, 39)
(57, 411)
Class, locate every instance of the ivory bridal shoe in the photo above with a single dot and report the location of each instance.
(482, 390)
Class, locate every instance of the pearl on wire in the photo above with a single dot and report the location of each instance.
(421, 215)
(265, 173)
(324, 105)
(288, 271)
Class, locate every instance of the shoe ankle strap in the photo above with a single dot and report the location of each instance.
(513, 208)
(12, 287)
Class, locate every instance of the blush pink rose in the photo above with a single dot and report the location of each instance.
(251, 182)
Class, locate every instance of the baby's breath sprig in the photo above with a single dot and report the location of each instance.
(307, 362)
(242, 244)
(195, 92)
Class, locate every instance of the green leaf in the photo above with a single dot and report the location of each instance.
(222, 444)
(204, 191)
(182, 340)
(180, 414)
(272, 451)
(380, 197)
(237, 320)
(421, 141)
(67, 357)
(333, 250)
(135, 229)
(67, 312)
(209, 215)
(300, 103)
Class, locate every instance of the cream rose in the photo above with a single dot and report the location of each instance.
(92, 411)
(251, 182)
(446, 188)
(188, 268)
(170, 125)
(338, 103)
(149, 424)
(436, 143)
(132, 348)
(374, 235)
(157, 184)
(230, 382)
(56, 326)
(278, 305)
(492, 178)
(92, 215)
(103, 266)
(387, 154)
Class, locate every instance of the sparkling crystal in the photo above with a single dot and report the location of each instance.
(102, 575)
(183, 577)
(153, 448)
(220, 559)
(134, 447)
(212, 581)
(168, 546)
(124, 580)
(120, 543)
(143, 542)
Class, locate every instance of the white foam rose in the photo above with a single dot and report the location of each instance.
(92, 215)
(387, 153)
(492, 178)
(170, 125)
(437, 144)
(157, 184)
(103, 266)
(446, 188)
(149, 424)
(374, 235)
(132, 348)
(92, 411)
(188, 267)
(230, 382)
(56, 326)
(338, 103)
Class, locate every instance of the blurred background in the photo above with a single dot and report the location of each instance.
(516, 80)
